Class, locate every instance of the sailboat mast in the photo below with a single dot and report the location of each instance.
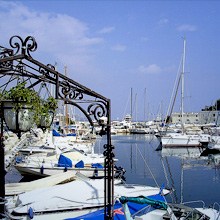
(182, 80)
(136, 107)
(67, 129)
(131, 102)
(144, 104)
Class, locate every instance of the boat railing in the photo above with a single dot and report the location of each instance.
(142, 211)
(214, 205)
(197, 201)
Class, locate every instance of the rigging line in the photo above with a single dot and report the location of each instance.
(166, 176)
(126, 107)
(174, 86)
(171, 177)
(134, 102)
(147, 166)
(173, 104)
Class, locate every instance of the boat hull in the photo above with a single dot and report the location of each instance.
(44, 171)
(184, 140)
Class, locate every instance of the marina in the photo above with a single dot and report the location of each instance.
(63, 155)
(191, 173)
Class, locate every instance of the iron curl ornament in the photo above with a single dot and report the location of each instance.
(70, 92)
(98, 110)
(26, 46)
(45, 72)
(4, 52)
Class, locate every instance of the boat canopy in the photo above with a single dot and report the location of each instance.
(97, 165)
(80, 164)
(64, 161)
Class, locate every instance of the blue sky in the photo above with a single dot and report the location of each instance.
(113, 46)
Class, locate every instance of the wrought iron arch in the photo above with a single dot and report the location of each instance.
(18, 62)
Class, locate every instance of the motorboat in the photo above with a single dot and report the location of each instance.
(41, 165)
(71, 199)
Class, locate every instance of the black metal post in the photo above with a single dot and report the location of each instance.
(109, 170)
(2, 166)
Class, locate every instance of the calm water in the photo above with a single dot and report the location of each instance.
(193, 177)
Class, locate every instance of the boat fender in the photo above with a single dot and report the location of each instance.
(65, 169)
(31, 213)
(96, 172)
(42, 170)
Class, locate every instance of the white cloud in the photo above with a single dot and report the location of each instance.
(119, 47)
(187, 27)
(59, 35)
(106, 30)
(151, 69)
(163, 21)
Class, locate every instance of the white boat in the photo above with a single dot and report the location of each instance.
(185, 140)
(46, 165)
(64, 201)
(140, 130)
(28, 170)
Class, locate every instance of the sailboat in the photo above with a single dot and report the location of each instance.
(182, 139)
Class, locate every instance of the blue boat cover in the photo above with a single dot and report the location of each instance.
(118, 210)
(55, 133)
(97, 165)
(64, 161)
(73, 134)
(80, 164)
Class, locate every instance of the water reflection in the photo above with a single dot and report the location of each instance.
(191, 158)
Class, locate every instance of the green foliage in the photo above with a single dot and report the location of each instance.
(39, 107)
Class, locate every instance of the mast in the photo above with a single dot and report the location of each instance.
(67, 130)
(144, 105)
(136, 107)
(182, 80)
(131, 103)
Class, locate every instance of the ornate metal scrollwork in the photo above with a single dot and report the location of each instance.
(46, 72)
(70, 92)
(26, 46)
(21, 68)
(4, 52)
(98, 110)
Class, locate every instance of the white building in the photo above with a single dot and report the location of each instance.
(188, 118)
(204, 117)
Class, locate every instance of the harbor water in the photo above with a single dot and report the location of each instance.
(191, 173)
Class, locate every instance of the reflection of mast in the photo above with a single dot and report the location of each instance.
(66, 105)
(131, 158)
(181, 195)
(171, 177)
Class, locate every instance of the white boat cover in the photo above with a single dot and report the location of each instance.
(74, 195)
